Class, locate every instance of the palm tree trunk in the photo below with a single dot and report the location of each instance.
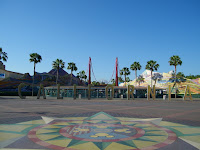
(151, 78)
(136, 76)
(125, 80)
(33, 78)
(57, 78)
(175, 82)
(71, 77)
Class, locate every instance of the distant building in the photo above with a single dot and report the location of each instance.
(6, 74)
(43, 76)
(64, 77)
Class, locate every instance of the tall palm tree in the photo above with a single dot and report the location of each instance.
(125, 71)
(57, 64)
(136, 66)
(72, 67)
(152, 65)
(35, 58)
(175, 61)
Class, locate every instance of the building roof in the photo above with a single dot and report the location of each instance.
(12, 72)
(60, 71)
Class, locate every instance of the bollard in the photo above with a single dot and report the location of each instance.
(164, 97)
(79, 96)
(121, 96)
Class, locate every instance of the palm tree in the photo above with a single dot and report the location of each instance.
(3, 55)
(136, 66)
(82, 75)
(175, 61)
(57, 64)
(72, 67)
(35, 58)
(140, 79)
(157, 77)
(125, 71)
(152, 65)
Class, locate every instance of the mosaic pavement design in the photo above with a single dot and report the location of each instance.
(99, 132)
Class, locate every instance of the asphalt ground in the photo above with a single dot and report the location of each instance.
(15, 110)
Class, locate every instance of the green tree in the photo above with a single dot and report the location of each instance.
(157, 77)
(94, 83)
(72, 67)
(125, 71)
(35, 58)
(177, 79)
(82, 75)
(152, 65)
(113, 81)
(120, 79)
(175, 61)
(3, 55)
(57, 64)
(136, 66)
(128, 79)
(78, 75)
(193, 76)
(180, 77)
(140, 79)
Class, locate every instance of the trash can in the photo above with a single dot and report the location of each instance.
(164, 97)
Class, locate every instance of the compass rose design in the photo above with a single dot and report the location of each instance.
(99, 132)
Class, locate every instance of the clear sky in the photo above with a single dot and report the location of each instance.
(74, 30)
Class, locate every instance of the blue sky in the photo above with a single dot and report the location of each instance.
(74, 30)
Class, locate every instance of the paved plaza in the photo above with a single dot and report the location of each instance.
(99, 124)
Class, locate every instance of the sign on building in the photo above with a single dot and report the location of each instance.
(2, 75)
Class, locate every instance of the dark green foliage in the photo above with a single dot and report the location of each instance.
(125, 71)
(120, 79)
(193, 76)
(94, 83)
(180, 77)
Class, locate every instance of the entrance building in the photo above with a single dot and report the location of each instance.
(99, 92)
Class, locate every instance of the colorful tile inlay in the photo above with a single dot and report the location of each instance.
(98, 132)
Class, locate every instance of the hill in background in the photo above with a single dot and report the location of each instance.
(165, 81)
